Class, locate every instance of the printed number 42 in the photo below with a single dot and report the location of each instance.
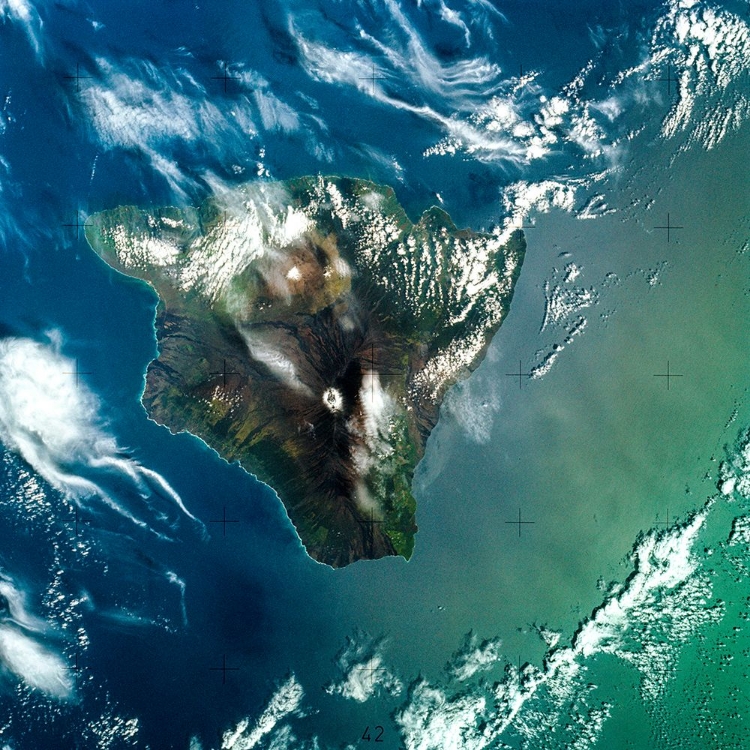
(378, 734)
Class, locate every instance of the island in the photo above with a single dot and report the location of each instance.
(309, 331)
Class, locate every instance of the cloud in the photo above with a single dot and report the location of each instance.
(492, 117)
(564, 300)
(522, 125)
(392, 62)
(284, 703)
(36, 665)
(709, 51)
(453, 17)
(473, 404)
(258, 226)
(24, 13)
(273, 357)
(521, 199)
(734, 472)
(137, 106)
(54, 424)
(168, 117)
(643, 621)
(473, 656)
(22, 650)
(364, 672)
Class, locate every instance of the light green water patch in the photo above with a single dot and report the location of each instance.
(597, 450)
(692, 689)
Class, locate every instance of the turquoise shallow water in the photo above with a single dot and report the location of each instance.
(597, 450)
(595, 453)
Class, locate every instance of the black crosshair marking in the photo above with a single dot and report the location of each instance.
(372, 671)
(372, 78)
(78, 372)
(225, 77)
(224, 669)
(669, 80)
(77, 77)
(77, 521)
(224, 521)
(668, 375)
(76, 669)
(224, 372)
(519, 522)
(518, 374)
(667, 522)
(77, 225)
(669, 227)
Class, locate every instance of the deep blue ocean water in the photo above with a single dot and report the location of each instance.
(151, 126)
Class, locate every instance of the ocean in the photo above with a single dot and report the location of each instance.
(137, 608)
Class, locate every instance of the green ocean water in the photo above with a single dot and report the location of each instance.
(597, 451)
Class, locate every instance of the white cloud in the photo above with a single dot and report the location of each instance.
(473, 404)
(35, 664)
(284, 703)
(158, 112)
(273, 357)
(22, 650)
(705, 50)
(364, 672)
(54, 424)
(473, 656)
(643, 621)
(24, 13)
(564, 300)
(137, 106)
(734, 472)
(395, 56)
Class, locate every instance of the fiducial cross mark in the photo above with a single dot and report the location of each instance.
(76, 669)
(77, 225)
(77, 77)
(669, 518)
(78, 372)
(519, 666)
(372, 78)
(371, 523)
(224, 669)
(520, 374)
(225, 77)
(224, 373)
(669, 80)
(521, 82)
(371, 671)
(224, 521)
(668, 375)
(519, 522)
(522, 73)
(669, 227)
(76, 522)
